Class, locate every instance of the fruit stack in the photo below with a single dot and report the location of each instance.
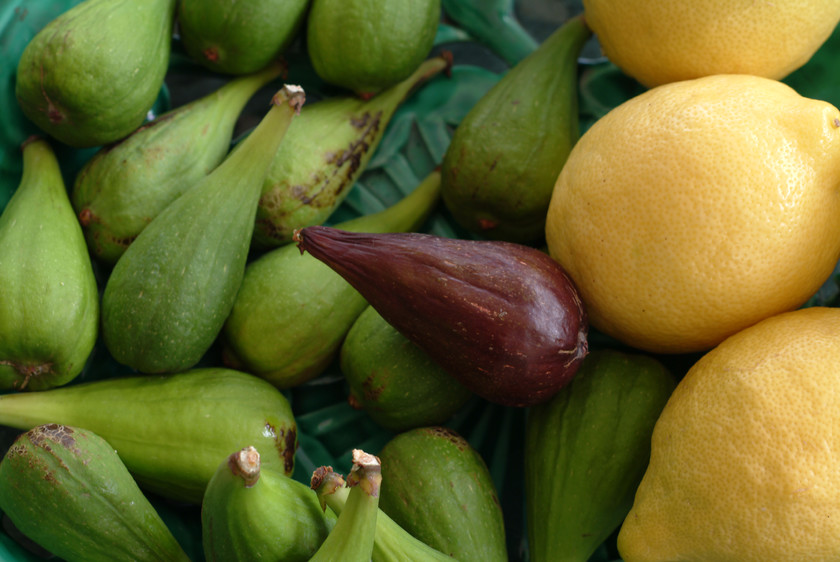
(310, 280)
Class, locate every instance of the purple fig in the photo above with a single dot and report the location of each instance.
(502, 318)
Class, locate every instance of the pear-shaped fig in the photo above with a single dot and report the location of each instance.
(49, 301)
(504, 319)
(167, 298)
(92, 74)
(499, 171)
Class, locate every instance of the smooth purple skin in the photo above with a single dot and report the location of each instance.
(503, 318)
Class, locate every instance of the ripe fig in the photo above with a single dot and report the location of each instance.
(502, 318)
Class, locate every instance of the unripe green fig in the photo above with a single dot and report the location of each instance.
(292, 312)
(170, 430)
(49, 301)
(439, 489)
(499, 171)
(369, 45)
(502, 318)
(238, 36)
(91, 75)
(393, 380)
(586, 451)
(391, 543)
(325, 151)
(352, 538)
(168, 296)
(67, 489)
(250, 512)
(126, 184)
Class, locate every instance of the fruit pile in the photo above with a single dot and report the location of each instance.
(292, 281)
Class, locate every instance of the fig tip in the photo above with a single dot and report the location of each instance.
(291, 94)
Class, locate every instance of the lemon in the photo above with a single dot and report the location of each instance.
(661, 41)
(699, 208)
(745, 455)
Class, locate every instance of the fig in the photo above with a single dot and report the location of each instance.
(169, 294)
(499, 171)
(90, 76)
(66, 489)
(49, 301)
(586, 451)
(369, 45)
(503, 318)
(238, 36)
(393, 380)
(326, 149)
(391, 543)
(171, 431)
(250, 512)
(352, 537)
(440, 490)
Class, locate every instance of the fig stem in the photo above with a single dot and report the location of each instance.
(352, 538)
(245, 464)
(391, 543)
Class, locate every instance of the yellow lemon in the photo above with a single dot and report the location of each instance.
(699, 208)
(745, 457)
(661, 41)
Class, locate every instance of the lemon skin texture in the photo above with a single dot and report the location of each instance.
(744, 457)
(698, 208)
(661, 41)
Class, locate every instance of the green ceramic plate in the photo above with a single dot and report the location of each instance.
(486, 37)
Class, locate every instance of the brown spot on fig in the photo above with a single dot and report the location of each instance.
(487, 224)
(28, 372)
(54, 114)
(285, 441)
(354, 402)
(372, 392)
(448, 434)
(85, 216)
(211, 54)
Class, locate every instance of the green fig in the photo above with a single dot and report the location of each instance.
(499, 171)
(391, 543)
(170, 430)
(250, 512)
(398, 384)
(49, 302)
(67, 489)
(369, 45)
(126, 184)
(438, 488)
(91, 75)
(352, 538)
(586, 451)
(238, 36)
(292, 312)
(325, 151)
(169, 294)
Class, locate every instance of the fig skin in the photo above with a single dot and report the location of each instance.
(503, 318)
